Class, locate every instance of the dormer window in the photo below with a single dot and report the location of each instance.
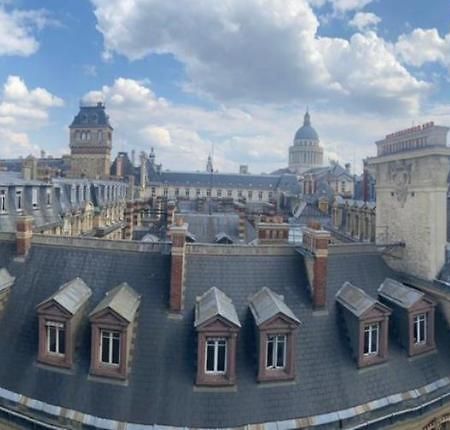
(371, 339)
(413, 316)
(216, 355)
(217, 326)
(56, 338)
(276, 325)
(34, 197)
(59, 320)
(49, 197)
(110, 347)
(2, 201)
(113, 323)
(365, 322)
(19, 200)
(276, 351)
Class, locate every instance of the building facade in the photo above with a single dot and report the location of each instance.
(91, 143)
(306, 152)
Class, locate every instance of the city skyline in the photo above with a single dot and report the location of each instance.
(167, 86)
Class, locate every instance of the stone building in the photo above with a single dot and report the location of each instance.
(91, 143)
(64, 207)
(411, 170)
(306, 152)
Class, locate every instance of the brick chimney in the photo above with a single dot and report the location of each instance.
(273, 231)
(178, 233)
(316, 241)
(24, 234)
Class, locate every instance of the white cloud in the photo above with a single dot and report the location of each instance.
(365, 20)
(261, 51)
(254, 134)
(17, 28)
(424, 46)
(22, 110)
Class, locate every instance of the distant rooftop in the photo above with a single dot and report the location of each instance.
(91, 116)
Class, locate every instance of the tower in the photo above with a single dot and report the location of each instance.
(306, 151)
(209, 165)
(411, 168)
(91, 142)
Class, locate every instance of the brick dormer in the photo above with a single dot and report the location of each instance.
(112, 323)
(217, 326)
(59, 318)
(367, 323)
(412, 318)
(276, 325)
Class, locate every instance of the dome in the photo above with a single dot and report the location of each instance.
(306, 131)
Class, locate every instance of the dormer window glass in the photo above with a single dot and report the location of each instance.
(276, 352)
(49, 198)
(371, 338)
(216, 353)
(2, 201)
(19, 200)
(56, 338)
(420, 328)
(34, 197)
(110, 347)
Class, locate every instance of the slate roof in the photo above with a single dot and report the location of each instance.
(354, 299)
(286, 182)
(71, 296)
(123, 300)
(212, 304)
(400, 294)
(160, 387)
(205, 227)
(6, 280)
(91, 116)
(266, 304)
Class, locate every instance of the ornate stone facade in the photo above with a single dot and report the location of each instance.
(91, 143)
(411, 173)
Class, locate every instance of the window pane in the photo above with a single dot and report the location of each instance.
(374, 339)
(280, 351)
(221, 353)
(116, 349)
(62, 341)
(52, 339)
(210, 356)
(105, 347)
(270, 351)
(422, 329)
(366, 341)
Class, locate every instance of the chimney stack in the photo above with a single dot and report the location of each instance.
(24, 234)
(178, 234)
(316, 241)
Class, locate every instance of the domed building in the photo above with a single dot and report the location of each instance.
(306, 152)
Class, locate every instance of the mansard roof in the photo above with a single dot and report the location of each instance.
(214, 304)
(159, 389)
(91, 116)
(71, 296)
(266, 304)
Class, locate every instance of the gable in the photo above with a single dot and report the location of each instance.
(108, 316)
(52, 308)
(279, 321)
(216, 323)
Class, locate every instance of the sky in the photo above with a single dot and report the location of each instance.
(231, 77)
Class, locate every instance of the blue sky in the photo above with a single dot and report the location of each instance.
(190, 76)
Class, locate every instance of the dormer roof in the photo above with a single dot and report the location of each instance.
(71, 296)
(123, 300)
(214, 303)
(399, 293)
(266, 304)
(357, 301)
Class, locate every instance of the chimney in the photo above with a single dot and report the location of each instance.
(133, 157)
(24, 234)
(348, 168)
(316, 241)
(272, 232)
(178, 233)
(119, 166)
(243, 169)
